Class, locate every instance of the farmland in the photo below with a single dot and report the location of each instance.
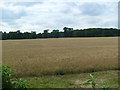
(61, 56)
(63, 62)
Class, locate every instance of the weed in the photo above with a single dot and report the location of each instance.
(91, 81)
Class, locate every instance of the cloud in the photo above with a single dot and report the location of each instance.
(93, 9)
(30, 16)
(26, 4)
(9, 13)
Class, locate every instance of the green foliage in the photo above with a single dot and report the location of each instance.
(68, 32)
(7, 77)
(18, 83)
(9, 80)
(91, 81)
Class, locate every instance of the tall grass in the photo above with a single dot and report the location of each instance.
(61, 56)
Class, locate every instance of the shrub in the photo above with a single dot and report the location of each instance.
(9, 80)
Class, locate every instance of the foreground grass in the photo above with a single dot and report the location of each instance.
(110, 79)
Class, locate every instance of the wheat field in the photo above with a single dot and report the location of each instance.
(60, 55)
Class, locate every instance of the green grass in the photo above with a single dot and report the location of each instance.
(110, 78)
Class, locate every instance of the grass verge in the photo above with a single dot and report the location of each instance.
(110, 79)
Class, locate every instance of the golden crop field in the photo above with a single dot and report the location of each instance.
(60, 56)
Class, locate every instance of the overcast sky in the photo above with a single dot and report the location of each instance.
(38, 16)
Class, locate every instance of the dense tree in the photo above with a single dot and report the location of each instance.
(39, 35)
(45, 34)
(68, 32)
(4, 36)
(33, 34)
(55, 34)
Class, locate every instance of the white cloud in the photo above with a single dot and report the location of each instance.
(59, 0)
(55, 15)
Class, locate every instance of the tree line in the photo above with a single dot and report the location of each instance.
(67, 32)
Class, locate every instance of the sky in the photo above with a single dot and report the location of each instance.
(38, 16)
